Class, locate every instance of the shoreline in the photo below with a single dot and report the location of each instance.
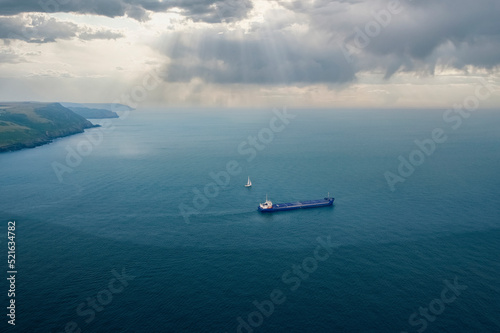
(40, 142)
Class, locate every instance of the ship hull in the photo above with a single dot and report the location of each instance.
(298, 205)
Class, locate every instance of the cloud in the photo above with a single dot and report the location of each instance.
(197, 10)
(308, 42)
(273, 58)
(39, 28)
(51, 74)
(268, 47)
(90, 34)
(14, 55)
(420, 36)
(8, 55)
(35, 28)
(274, 49)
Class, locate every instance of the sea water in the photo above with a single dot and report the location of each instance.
(144, 224)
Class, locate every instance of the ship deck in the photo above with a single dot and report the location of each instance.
(299, 204)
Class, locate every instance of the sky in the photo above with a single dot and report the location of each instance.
(250, 53)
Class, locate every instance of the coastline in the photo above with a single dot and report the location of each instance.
(32, 124)
(40, 141)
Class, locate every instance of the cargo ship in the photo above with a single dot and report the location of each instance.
(269, 207)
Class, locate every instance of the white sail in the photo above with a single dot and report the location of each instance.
(249, 183)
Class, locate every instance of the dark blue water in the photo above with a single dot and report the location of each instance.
(117, 213)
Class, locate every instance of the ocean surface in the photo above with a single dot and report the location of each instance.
(144, 224)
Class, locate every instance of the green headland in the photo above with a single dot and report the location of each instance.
(31, 124)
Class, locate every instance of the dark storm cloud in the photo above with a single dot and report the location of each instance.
(331, 46)
(417, 36)
(37, 28)
(271, 58)
(422, 35)
(198, 10)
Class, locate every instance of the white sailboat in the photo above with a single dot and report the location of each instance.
(249, 183)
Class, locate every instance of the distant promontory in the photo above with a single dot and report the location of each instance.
(31, 124)
(97, 110)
